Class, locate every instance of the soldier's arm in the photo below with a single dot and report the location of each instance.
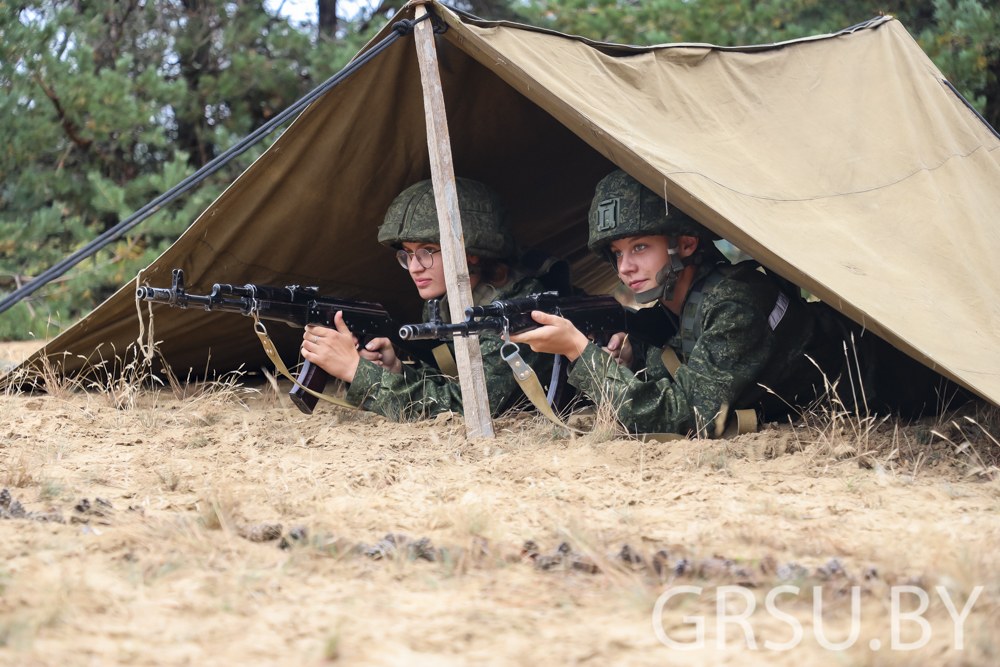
(419, 391)
(732, 351)
(422, 391)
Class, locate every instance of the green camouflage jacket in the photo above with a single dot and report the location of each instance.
(422, 391)
(736, 353)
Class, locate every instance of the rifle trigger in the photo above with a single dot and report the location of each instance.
(521, 369)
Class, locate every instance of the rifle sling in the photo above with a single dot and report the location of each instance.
(746, 422)
(670, 360)
(446, 362)
(527, 379)
(279, 365)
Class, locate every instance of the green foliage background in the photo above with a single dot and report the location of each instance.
(107, 103)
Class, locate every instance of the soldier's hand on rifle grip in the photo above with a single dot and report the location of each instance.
(333, 350)
(557, 336)
(380, 351)
(620, 349)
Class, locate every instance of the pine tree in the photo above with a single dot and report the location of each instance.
(110, 103)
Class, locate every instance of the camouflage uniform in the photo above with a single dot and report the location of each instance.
(738, 360)
(735, 354)
(422, 391)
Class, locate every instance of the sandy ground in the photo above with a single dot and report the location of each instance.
(164, 570)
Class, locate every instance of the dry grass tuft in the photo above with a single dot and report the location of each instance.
(219, 510)
(209, 395)
(19, 469)
(834, 429)
(830, 432)
(52, 380)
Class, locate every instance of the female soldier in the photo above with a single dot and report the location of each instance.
(744, 338)
(379, 381)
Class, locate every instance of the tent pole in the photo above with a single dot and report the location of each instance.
(468, 357)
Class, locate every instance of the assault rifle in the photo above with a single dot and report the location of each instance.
(598, 316)
(296, 306)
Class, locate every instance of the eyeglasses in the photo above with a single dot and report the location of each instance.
(425, 256)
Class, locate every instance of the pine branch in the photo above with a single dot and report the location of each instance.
(66, 123)
(70, 129)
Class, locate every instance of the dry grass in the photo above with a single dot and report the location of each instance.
(18, 468)
(168, 576)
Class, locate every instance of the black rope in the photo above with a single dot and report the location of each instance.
(399, 29)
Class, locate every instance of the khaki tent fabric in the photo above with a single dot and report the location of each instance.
(845, 164)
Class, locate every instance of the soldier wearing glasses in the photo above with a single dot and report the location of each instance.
(379, 381)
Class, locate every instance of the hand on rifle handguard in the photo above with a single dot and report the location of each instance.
(620, 349)
(557, 336)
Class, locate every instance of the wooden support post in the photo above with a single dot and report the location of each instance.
(456, 270)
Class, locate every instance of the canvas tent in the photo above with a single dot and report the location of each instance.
(845, 163)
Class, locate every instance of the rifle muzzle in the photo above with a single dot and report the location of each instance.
(418, 331)
(154, 294)
(435, 331)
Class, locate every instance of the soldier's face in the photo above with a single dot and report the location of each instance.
(430, 279)
(639, 259)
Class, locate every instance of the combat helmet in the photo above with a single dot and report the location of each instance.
(412, 218)
(623, 207)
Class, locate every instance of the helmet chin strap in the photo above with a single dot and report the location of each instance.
(666, 278)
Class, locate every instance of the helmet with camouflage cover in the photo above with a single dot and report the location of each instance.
(412, 218)
(624, 208)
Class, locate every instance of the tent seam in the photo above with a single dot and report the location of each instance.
(837, 194)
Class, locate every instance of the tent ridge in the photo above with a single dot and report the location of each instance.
(471, 19)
